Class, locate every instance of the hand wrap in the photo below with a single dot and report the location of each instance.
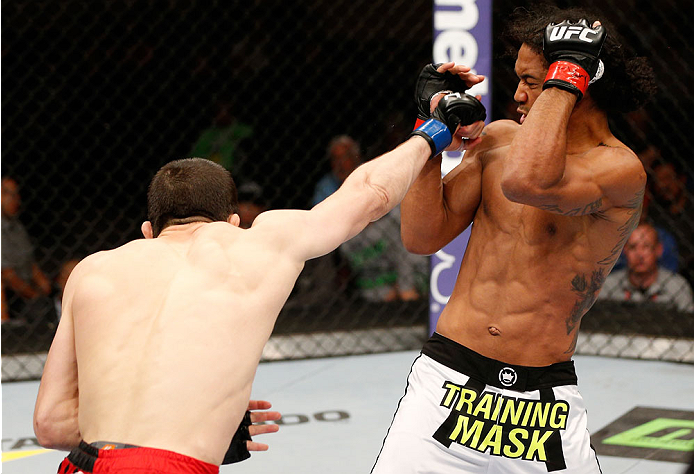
(238, 450)
(431, 82)
(453, 110)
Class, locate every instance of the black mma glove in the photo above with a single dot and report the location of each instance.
(572, 50)
(453, 110)
(431, 82)
(238, 450)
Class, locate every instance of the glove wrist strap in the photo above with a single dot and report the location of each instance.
(436, 134)
(570, 73)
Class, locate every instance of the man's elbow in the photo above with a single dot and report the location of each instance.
(44, 431)
(513, 189)
(50, 435)
(380, 202)
(518, 190)
(417, 245)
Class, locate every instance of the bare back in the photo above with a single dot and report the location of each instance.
(159, 339)
(178, 321)
(529, 275)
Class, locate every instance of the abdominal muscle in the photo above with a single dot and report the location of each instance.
(530, 339)
(514, 311)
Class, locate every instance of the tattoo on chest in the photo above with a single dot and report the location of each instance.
(587, 292)
(634, 206)
(589, 208)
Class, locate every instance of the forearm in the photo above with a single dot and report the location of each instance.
(537, 154)
(57, 403)
(59, 428)
(391, 175)
(423, 209)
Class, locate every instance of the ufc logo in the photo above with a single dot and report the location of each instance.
(566, 32)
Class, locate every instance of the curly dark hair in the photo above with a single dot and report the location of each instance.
(628, 82)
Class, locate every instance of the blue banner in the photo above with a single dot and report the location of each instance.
(463, 34)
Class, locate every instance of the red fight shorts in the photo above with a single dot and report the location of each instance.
(89, 459)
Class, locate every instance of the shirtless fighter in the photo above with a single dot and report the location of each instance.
(159, 339)
(553, 201)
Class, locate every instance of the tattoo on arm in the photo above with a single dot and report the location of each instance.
(589, 208)
(634, 206)
(587, 292)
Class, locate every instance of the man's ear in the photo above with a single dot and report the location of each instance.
(234, 220)
(146, 229)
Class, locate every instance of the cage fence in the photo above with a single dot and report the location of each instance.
(97, 95)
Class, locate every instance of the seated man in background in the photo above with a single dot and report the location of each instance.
(380, 267)
(344, 156)
(251, 203)
(671, 207)
(25, 286)
(643, 279)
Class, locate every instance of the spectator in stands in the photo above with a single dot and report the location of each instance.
(344, 156)
(381, 268)
(378, 265)
(669, 258)
(643, 279)
(669, 188)
(222, 142)
(25, 286)
(5, 312)
(251, 203)
(324, 276)
(671, 207)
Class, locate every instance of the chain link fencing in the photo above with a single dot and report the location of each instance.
(96, 96)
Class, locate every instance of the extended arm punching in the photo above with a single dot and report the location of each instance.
(371, 191)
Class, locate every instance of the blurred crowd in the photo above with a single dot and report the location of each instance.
(291, 100)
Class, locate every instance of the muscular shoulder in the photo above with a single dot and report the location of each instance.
(617, 154)
(496, 134)
(95, 263)
(624, 175)
(92, 262)
(501, 127)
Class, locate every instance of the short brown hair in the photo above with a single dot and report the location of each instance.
(189, 188)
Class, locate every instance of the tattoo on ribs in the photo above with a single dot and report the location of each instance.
(589, 208)
(634, 206)
(587, 292)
